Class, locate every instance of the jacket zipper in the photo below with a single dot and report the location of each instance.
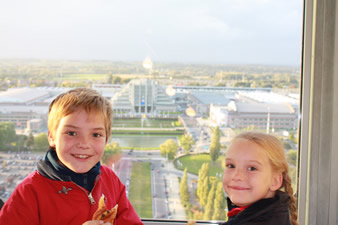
(90, 196)
(91, 199)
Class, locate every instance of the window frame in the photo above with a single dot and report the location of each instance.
(317, 187)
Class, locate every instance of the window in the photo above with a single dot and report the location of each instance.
(167, 66)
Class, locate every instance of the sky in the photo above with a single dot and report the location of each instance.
(179, 31)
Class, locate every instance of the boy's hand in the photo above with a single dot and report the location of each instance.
(96, 222)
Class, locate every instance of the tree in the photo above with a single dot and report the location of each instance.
(219, 203)
(215, 146)
(7, 134)
(109, 151)
(205, 191)
(29, 143)
(186, 141)
(184, 192)
(203, 184)
(292, 137)
(169, 149)
(110, 79)
(209, 208)
(292, 157)
(116, 80)
(203, 174)
(20, 142)
(41, 142)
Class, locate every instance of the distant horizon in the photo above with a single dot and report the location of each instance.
(259, 32)
(140, 62)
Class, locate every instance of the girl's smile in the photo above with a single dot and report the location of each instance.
(248, 176)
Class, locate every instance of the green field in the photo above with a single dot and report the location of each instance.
(148, 132)
(140, 189)
(193, 163)
(82, 77)
(147, 123)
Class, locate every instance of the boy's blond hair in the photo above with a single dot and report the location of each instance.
(273, 148)
(77, 99)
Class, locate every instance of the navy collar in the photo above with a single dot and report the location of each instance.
(52, 169)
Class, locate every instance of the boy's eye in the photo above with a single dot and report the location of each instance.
(97, 135)
(251, 168)
(71, 133)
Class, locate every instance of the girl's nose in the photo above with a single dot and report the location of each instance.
(238, 175)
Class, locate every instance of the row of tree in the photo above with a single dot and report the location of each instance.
(10, 141)
(210, 195)
(169, 148)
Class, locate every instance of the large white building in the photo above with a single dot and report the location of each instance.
(259, 115)
(143, 97)
(24, 106)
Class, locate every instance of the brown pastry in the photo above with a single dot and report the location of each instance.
(102, 213)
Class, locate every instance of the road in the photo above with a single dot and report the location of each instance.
(164, 182)
(158, 182)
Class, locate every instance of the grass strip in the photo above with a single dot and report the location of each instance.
(140, 189)
(193, 163)
(151, 132)
(152, 123)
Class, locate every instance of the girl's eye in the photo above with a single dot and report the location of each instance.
(229, 166)
(71, 133)
(251, 168)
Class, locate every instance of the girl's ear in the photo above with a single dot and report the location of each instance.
(51, 140)
(277, 181)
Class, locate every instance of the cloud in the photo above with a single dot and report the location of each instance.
(168, 30)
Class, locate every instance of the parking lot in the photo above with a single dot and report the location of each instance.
(14, 167)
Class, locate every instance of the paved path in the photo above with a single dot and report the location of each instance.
(175, 207)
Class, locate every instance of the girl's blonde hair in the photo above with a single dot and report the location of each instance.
(76, 99)
(275, 152)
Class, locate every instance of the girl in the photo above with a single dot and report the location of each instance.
(257, 183)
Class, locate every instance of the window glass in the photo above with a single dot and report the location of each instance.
(184, 77)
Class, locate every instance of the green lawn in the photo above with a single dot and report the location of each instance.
(194, 163)
(148, 123)
(82, 77)
(140, 189)
(148, 132)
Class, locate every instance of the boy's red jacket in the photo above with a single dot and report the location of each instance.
(40, 200)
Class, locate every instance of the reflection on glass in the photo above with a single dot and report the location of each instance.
(147, 63)
(170, 90)
(190, 111)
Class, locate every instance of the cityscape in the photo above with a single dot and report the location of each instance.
(151, 108)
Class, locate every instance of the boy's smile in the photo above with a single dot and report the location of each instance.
(79, 140)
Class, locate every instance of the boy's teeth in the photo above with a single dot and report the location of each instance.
(82, 156)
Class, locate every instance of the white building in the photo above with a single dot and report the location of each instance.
(259, 115)
(143, 96)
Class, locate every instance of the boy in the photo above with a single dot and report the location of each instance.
(69, 182)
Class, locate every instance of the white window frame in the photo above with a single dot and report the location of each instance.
(318, 157)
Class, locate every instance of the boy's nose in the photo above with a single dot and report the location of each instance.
(83, 142)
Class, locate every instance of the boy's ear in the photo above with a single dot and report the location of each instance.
(277, 181)
(51, 140)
